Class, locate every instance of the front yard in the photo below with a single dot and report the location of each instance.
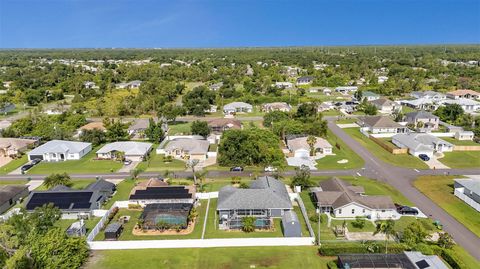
(157, 163)
(461, 159)
(342, 152)
(13, 164)
(87, 164)
(457, 142)
(200, 258)
(440, 190)
(403, 160)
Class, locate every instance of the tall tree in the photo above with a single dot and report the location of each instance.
(57, 179)
(200, 128)
(311, 140)
(388, 229)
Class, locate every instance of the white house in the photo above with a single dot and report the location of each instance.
(421, 143)
(385, 106)
(344, 200)
(60, 150)
(463, 94)
(305, 80)
(134, 151)
(468, 190)
(381, 124)
(464, 135)
(468, 105)
(276, 106)
(187, 148)
(431, 95)
(346, 89)
(300, 148)
(237, 107)
(369, 96)
(283, 84)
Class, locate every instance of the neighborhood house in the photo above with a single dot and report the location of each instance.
(381, 124)
(300, 148)
(156, 191)
(423, 121)
(134, 151)
(187, 148)
(344, 200)
(237, 107)
(421, 143)
(266, 198)
(468, 190)
(385, 106)
(14, 146)
(277, 106)
(218, 126)
(10, 194)
(60, 150)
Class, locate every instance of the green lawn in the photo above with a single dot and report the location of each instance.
(404, 160)
(135, 214)
(346, 121)
(13, 164)
(13, 182)
(461, 159)
(344, 153)
(178, 128)
(77, 184)
(123, 192)
(460, 142)
(440, 190)
(89, 224)
(212, 258)
(298, 211)
(212, 230)
(85, 165)
(156, 164)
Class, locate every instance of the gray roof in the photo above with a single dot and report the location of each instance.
(235, 105)
(113, 227)
(380, 121)
(382, 102)
(7, 192)
(433, 261)
(421, 115)
(129, 147)
(471, 184)
(56, 146)
(100, 185)
(264, 193)
(139, 124)
(418, 141)
(338, 193)
(190, 145)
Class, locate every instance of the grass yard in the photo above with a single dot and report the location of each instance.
(298, 211)
(13, 164)
(122, 193)
(156, 164)
(460, 142)
(178, 128)
(440, 190)
(403, 160)
(85, 165)
(135, 214)
(326, 233)
(213, 258)
(461, 159)
(212, 230)
(77, 184)
(65, 223)
(346, 121)
(344, 153)
(13, 182)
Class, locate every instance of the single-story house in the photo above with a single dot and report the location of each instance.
(468, 190)
(266, 198)
(405, 260)
(187, 148)
(465, 94)
(314, 89)
(157, 191)
(429, 122)
(216, 86)
(135, 84)
(344, 200)
(276, 106)
(90, 85)
(421, 103)
(421, 143)
(92, 125)
(237, 107)
(382, 79)
(283, 84)
(169, 213)
(327, 91)
(291, 225)
(385, 106)
(220, 125)
(105, 188)
(60, 150)
(134, 151)
(325, 106)
(381, 124)
(468, 105)
(138, 127)
(464, 135)
(301, 149)
(10, 194)
(432, 95)
(346, 89)
(369, 96)
(305, 80)
(15, 146)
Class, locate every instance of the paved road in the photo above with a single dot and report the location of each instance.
(402, 179)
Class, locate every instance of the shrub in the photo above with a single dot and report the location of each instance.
(332, 265)
(248, 224)
(134, 206)
(335, 249)
(359, 223)
(452, 259)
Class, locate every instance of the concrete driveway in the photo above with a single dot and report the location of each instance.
(434, 163)
(128, 167)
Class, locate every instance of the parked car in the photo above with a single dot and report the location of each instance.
(270, 169)
(127, 162)
(26, 167)
(424, 157)
(406, 210)
(236, 169)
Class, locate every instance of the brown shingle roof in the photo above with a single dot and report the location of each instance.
(380, 121)
(7, 192)
(222, 122)
(93, 125)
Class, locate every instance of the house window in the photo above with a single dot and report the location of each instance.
(339, 211)
(383, 210)
(353, 211)
(363, 211)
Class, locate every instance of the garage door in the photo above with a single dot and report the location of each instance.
(33, 157)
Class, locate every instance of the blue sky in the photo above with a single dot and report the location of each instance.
(235, 23)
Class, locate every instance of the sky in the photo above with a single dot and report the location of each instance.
(235, 23)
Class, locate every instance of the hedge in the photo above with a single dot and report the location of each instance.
(333, 249)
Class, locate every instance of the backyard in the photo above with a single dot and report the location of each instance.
(440, 190)
(179, 128)
(87, 164)
(199, 258)
(403, 160)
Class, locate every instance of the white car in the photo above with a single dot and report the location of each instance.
(270, 169)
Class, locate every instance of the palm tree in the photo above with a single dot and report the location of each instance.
(135, 173)
(311, 140)
(201, 178)
(387, 228)
(192, 164)
(57, 179)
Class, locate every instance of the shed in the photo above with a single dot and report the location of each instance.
(291, 225)
(113, 231)
(77, 229)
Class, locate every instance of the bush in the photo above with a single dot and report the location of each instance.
(335, 249)
(134, 206)
(313, 218)
(452, 259)
(332, 265)
(359, 223)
